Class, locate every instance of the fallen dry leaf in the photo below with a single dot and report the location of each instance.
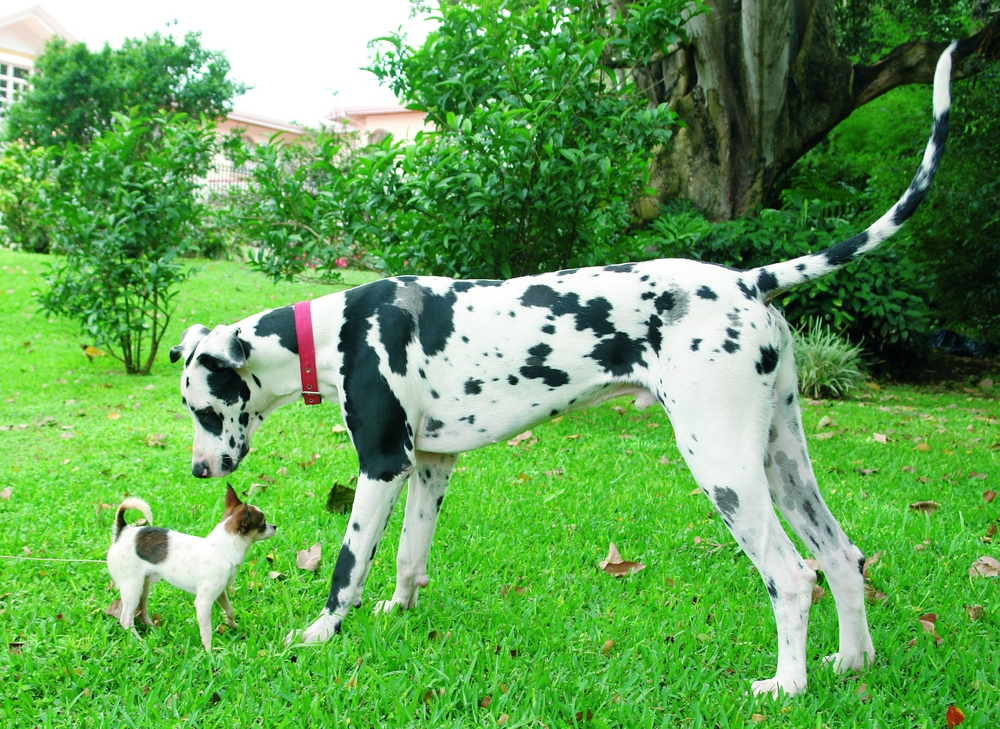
(954, 716)
(338, 428)
(485, 702)
(928, 626)
(308, 559)
(581, 717)
(156, 440)
(928, 507)
(15, 648)
(502, 719)
(275, 575)
(757, 718)
(975, 611)
(873, 596)
(615, 566)
(520, 438)
(608, 645)
(114, 609)
(5, 494)
(909, 469)
(986, 384)
(818, 593)
(824, 421)
(923, 447)
(862, 695)
(824, 436)
(985, 567)
(113, 415)
(340, 499)
(879, 438)
(988, 496)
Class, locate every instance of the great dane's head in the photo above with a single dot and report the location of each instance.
(223, 397)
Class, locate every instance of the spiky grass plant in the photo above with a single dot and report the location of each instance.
(827, 364)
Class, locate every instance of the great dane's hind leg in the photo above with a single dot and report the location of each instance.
(794, 491)
(428, 483)
(373, 504)
(724, 448)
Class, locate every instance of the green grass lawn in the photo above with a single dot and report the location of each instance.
(516, 626)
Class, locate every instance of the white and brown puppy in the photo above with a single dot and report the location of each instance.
(203, 566)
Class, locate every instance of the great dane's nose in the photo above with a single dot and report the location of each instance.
(200, 470)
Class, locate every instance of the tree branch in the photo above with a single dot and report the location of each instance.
(914, 62)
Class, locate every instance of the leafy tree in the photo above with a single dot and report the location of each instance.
(76, 91)
(26, 191)
(129, 213)
(759, 83)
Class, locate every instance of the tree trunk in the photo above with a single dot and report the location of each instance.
(760, 83)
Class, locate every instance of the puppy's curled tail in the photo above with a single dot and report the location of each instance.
(132, 502)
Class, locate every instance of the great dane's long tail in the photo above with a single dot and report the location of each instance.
(772, 279)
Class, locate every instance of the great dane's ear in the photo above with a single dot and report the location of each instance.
(223, 345)
(189, 340)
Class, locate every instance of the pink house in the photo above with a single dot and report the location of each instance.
(374, 122)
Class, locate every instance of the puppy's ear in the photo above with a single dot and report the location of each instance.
(189, 340)
(223, 347)
(232, 500)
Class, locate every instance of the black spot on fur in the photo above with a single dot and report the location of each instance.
(733, 333)
(226, 385)
(766, 281)
(437, 504)
(432, 424)
(706, 293)
(695, 343)
(620, 268)
(593, 315)
(807, 506)
(209, 420)
(768, 360)
(647, 295)
(473, 387)
(727, 501)
(395, 327)
(619, 354)
(653, 333)
(256, 381)
(730, 346)
(535, 367)
(749, 292)
(152, 544)
(461, 286)
(341, 577)
(772, 589)
(436, 321)
(487, 283)
(512, 380)
(356, 527)
(373, 413)
(549, 329)
(280, 322)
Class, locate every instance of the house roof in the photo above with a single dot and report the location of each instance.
(352, 113)
(38, 22)
(245, 117)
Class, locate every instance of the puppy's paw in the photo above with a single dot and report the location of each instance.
(322, 629)
(232, 623)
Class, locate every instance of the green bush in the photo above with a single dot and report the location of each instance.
(291, 217)
(26, 191)
(130, 211)
(827, 365)
(881, 299)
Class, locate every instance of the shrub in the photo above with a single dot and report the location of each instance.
(827, 365)
(26, 191)
(881, 299)
(129, 213)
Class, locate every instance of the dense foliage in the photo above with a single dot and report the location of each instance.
(129, 211)
(881, 299)
(538, 155)
(75, 91)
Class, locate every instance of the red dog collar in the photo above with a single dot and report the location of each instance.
(307, 354)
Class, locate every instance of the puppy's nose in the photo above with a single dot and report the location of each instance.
(200, 470)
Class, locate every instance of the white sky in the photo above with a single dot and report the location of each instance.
(296, 54)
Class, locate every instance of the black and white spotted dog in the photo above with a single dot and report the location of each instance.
(426, 368)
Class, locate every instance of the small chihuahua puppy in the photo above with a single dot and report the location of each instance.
(205, 567)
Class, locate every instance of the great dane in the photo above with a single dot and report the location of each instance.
(425, 368)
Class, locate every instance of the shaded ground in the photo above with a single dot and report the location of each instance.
(943, 368)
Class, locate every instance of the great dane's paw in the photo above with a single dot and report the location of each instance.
(322, 629)
(853, 661)
(775, 685)
(388, 606)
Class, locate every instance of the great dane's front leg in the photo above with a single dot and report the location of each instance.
(373, 504)
(428, 484)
